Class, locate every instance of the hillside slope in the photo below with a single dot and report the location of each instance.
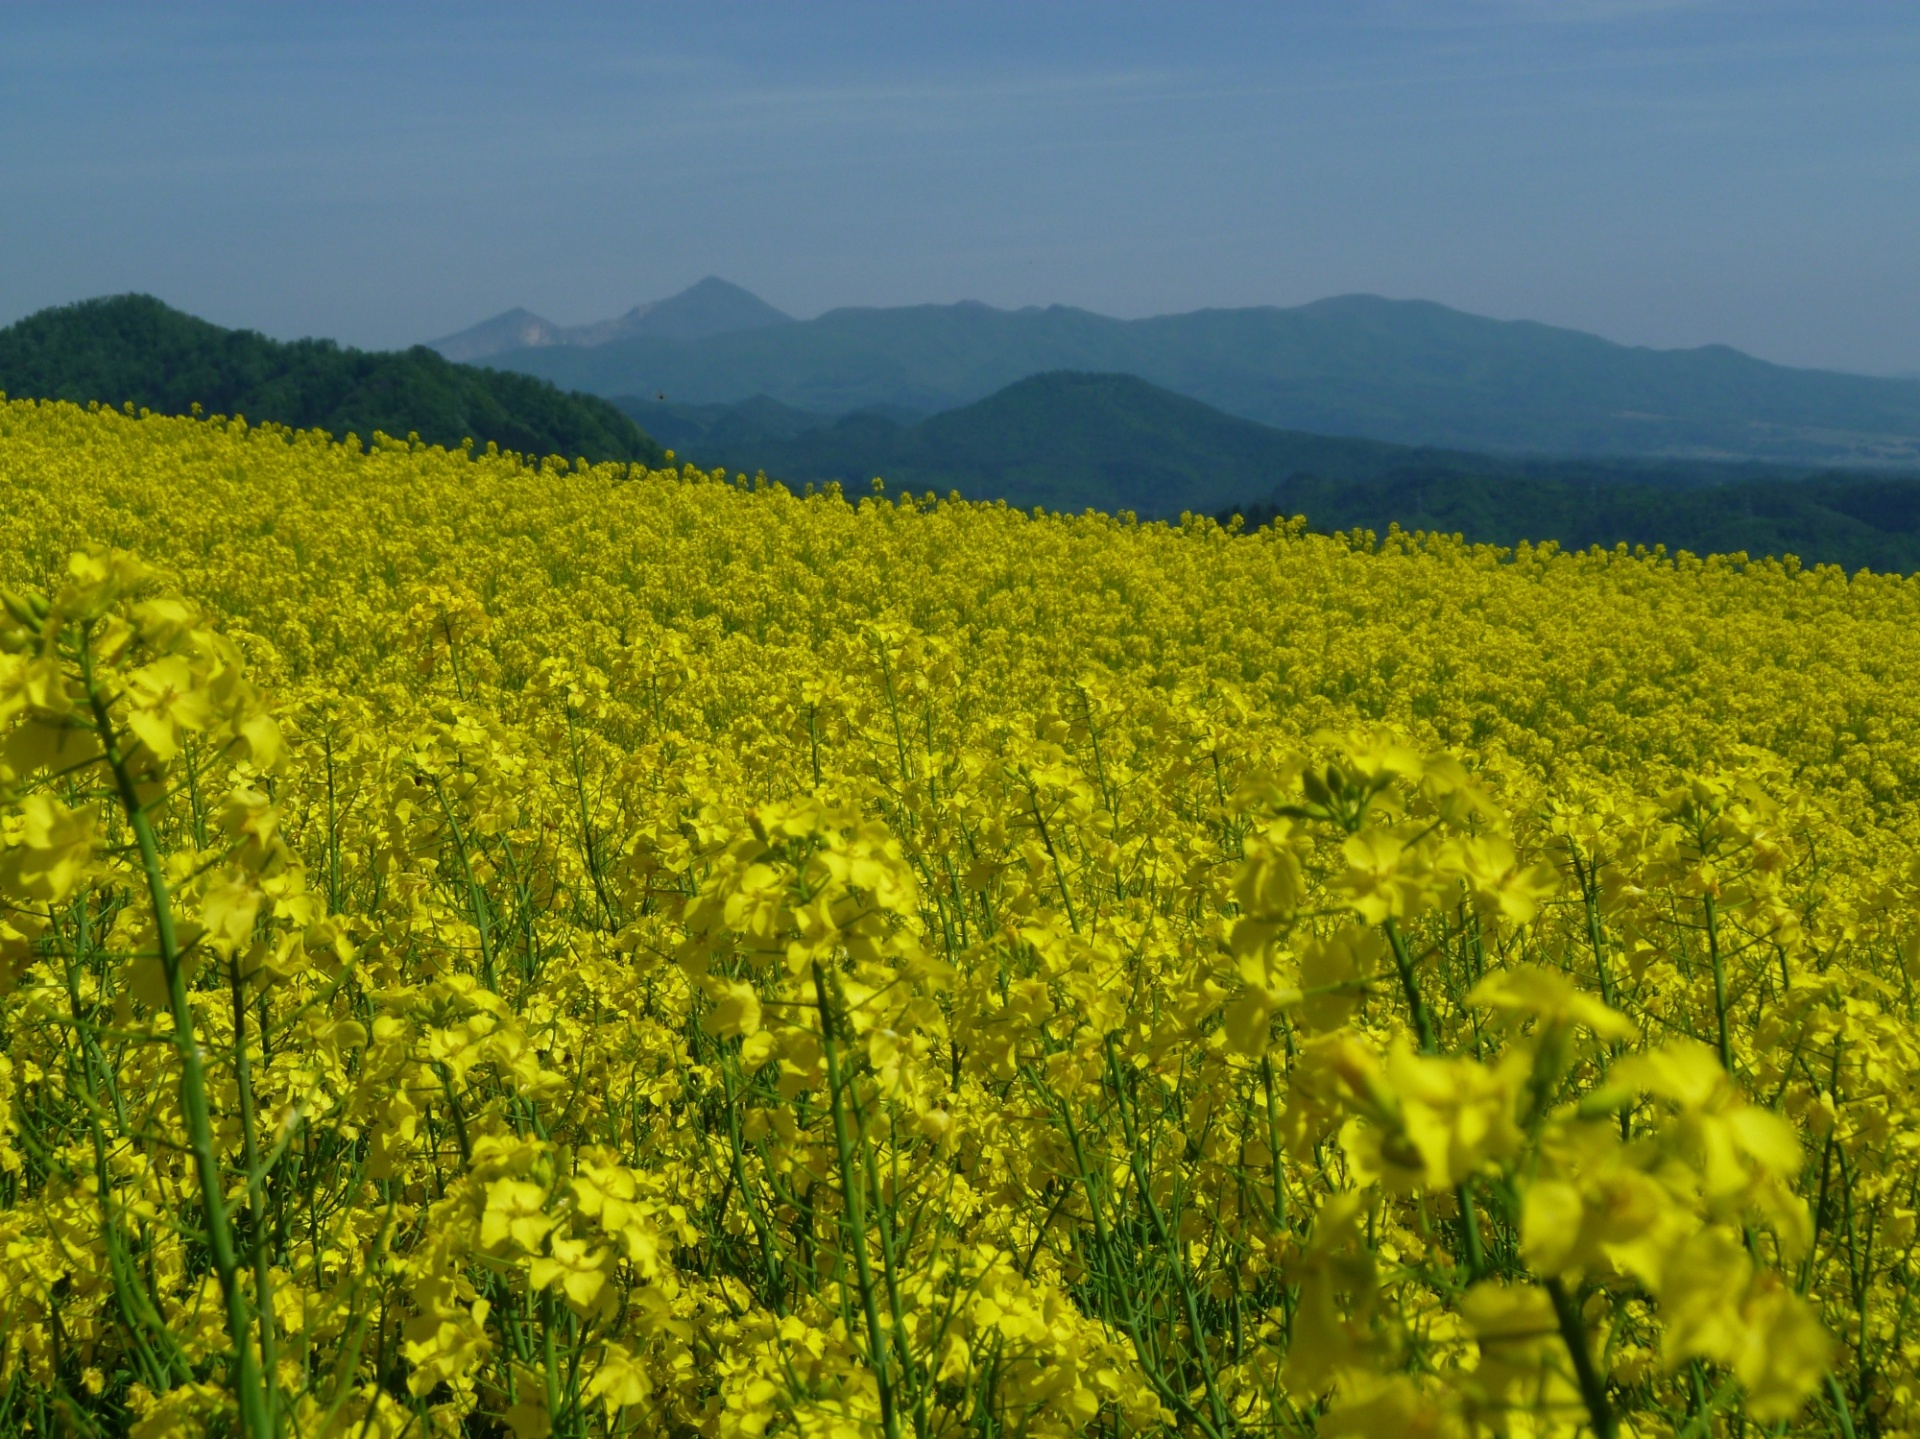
(1071, 441)
(133, 348)
(1409, 372)
(1854, 521)
(1066, 440)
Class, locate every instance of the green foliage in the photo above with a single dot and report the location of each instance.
(134, 349)
(1849, 520)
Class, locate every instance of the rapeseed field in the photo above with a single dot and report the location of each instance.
(498, 947)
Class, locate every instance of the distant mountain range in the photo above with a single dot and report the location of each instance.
(712, 307)
(1403, 371)
(133, 348)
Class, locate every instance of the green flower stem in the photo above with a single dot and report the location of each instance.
(1470, 1232)
(1164, 1233)
(255, 1420)
(1719, 984)
(476, 898)
(855, 1210)
(776, 1286)
(1410, 983)
(889, 1269)
(256, 1197)
(1593, 1388)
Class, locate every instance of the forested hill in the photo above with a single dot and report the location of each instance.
(133, 348)
(1068, 441)
(1854, 520)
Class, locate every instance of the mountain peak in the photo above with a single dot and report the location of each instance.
(514, 329)
(711, 306)
(708, 307)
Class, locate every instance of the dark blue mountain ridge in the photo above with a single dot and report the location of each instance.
(1405, 371)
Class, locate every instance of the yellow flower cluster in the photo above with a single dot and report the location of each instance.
(505, 947)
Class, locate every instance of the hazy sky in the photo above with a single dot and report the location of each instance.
(1662, 173)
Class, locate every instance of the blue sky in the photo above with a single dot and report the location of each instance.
(1661, 173)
